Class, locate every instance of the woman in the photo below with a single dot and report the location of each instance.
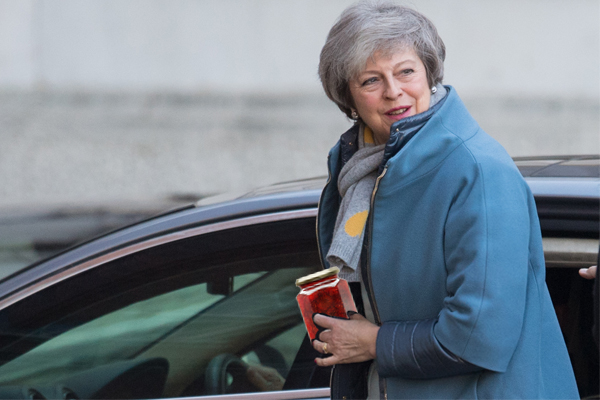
(431, 218)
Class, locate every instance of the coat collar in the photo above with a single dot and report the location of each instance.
(448, 127)
(400, 133)
(404, 130)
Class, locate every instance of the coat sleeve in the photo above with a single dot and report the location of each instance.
(423, 358)
(486, 252)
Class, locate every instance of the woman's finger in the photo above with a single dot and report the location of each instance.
(323, 321)
(326, 337)
(321, 347)
(323, 334)
(327, 361)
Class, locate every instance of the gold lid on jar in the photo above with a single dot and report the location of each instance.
(317, 276)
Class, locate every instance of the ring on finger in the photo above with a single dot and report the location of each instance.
(325, 348)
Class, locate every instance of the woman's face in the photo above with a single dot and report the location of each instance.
(390, 88)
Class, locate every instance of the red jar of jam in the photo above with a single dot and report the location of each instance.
(323, 292)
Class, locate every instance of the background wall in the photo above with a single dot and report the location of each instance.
(106, 99)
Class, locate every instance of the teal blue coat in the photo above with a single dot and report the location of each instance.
(453, 239)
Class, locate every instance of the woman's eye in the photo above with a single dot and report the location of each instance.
(369, 81)
(407, 71)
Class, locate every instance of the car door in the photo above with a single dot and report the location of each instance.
(192, 312)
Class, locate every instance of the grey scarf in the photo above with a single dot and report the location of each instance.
(355, 184)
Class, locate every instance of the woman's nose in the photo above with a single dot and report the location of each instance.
(393, 89)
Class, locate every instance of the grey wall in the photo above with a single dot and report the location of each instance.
(106, 99)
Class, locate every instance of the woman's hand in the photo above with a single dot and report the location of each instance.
(347, 341)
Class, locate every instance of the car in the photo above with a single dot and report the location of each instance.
(186, 303)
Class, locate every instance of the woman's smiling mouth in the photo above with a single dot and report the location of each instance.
(399, 111)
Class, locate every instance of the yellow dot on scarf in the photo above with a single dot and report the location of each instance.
(368, 135)
(356, 223)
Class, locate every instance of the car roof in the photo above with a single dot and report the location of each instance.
(575, 166)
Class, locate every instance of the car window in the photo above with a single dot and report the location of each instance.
(181, 325)
(187, 327)
(115, 336)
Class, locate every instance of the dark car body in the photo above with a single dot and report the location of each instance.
(169, 306)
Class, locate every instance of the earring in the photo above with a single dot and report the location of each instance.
(433, 90)
(354, 115)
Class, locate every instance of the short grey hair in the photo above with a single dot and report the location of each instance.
(368, 27)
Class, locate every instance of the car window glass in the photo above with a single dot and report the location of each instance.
(188, 327)
(286, 344)
(244, 321)
(108, 338)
